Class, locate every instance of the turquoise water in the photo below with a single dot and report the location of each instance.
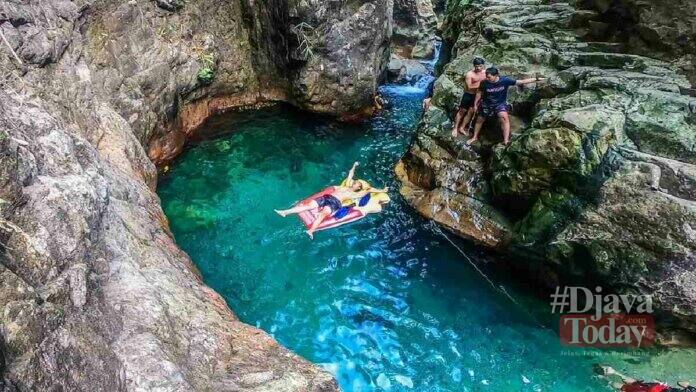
(386, 303)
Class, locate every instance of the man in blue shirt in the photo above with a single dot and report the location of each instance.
(493, 92)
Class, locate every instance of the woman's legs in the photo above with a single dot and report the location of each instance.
(299, 208)
(323, 214)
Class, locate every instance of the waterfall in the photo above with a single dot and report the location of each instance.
(422, 82)
(430, 64)
(418, 84)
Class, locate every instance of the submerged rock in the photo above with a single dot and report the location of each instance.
(598, 188)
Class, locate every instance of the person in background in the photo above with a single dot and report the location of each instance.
(381, 103)
(492, 96)
(467, 109)
(428, 95)
(628, 384)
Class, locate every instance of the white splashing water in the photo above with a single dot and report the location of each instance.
(424, 81)
(420, 83)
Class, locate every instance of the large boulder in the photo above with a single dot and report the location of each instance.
(609, 150)
(402, 71)
(442, 179)
(663, 124)
(347, 55)
(566, 151)
(637, 239)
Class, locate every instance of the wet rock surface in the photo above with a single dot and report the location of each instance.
(596, 186)
(403, 71)
(94, 292)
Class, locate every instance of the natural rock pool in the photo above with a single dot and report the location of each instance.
(386, 303)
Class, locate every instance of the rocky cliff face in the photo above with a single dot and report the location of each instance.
(325, 57)
(343, 49)
(597, 185)
(415, 25)
(95, 294)
(665, 30)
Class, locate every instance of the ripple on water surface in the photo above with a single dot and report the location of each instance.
(384, 303)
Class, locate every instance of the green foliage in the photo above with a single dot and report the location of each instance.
(206, 74)
(308, 40)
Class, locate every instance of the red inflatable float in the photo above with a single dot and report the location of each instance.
(308, 217)
(370, 203)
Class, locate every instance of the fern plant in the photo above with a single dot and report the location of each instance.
(206, 74)
(307, 38)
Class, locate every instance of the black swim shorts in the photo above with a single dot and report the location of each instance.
(467, 100)
(328, 201)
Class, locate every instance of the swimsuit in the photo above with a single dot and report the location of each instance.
(328, 201)
(467, 100)
(490, 111)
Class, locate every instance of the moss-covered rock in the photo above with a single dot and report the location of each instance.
(663, 124)
(447, 94)
(536, 161)
(551, 212)
(635, 238)
(566, 152)
(599, 188)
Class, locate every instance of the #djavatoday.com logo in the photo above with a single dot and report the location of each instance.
(592, 319)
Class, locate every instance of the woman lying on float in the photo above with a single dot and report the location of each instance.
(338, 205)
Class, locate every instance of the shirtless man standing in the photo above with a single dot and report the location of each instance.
(472, 81)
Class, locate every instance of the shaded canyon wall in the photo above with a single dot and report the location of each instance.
(95, 294)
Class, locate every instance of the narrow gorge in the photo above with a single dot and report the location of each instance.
(95, 293)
